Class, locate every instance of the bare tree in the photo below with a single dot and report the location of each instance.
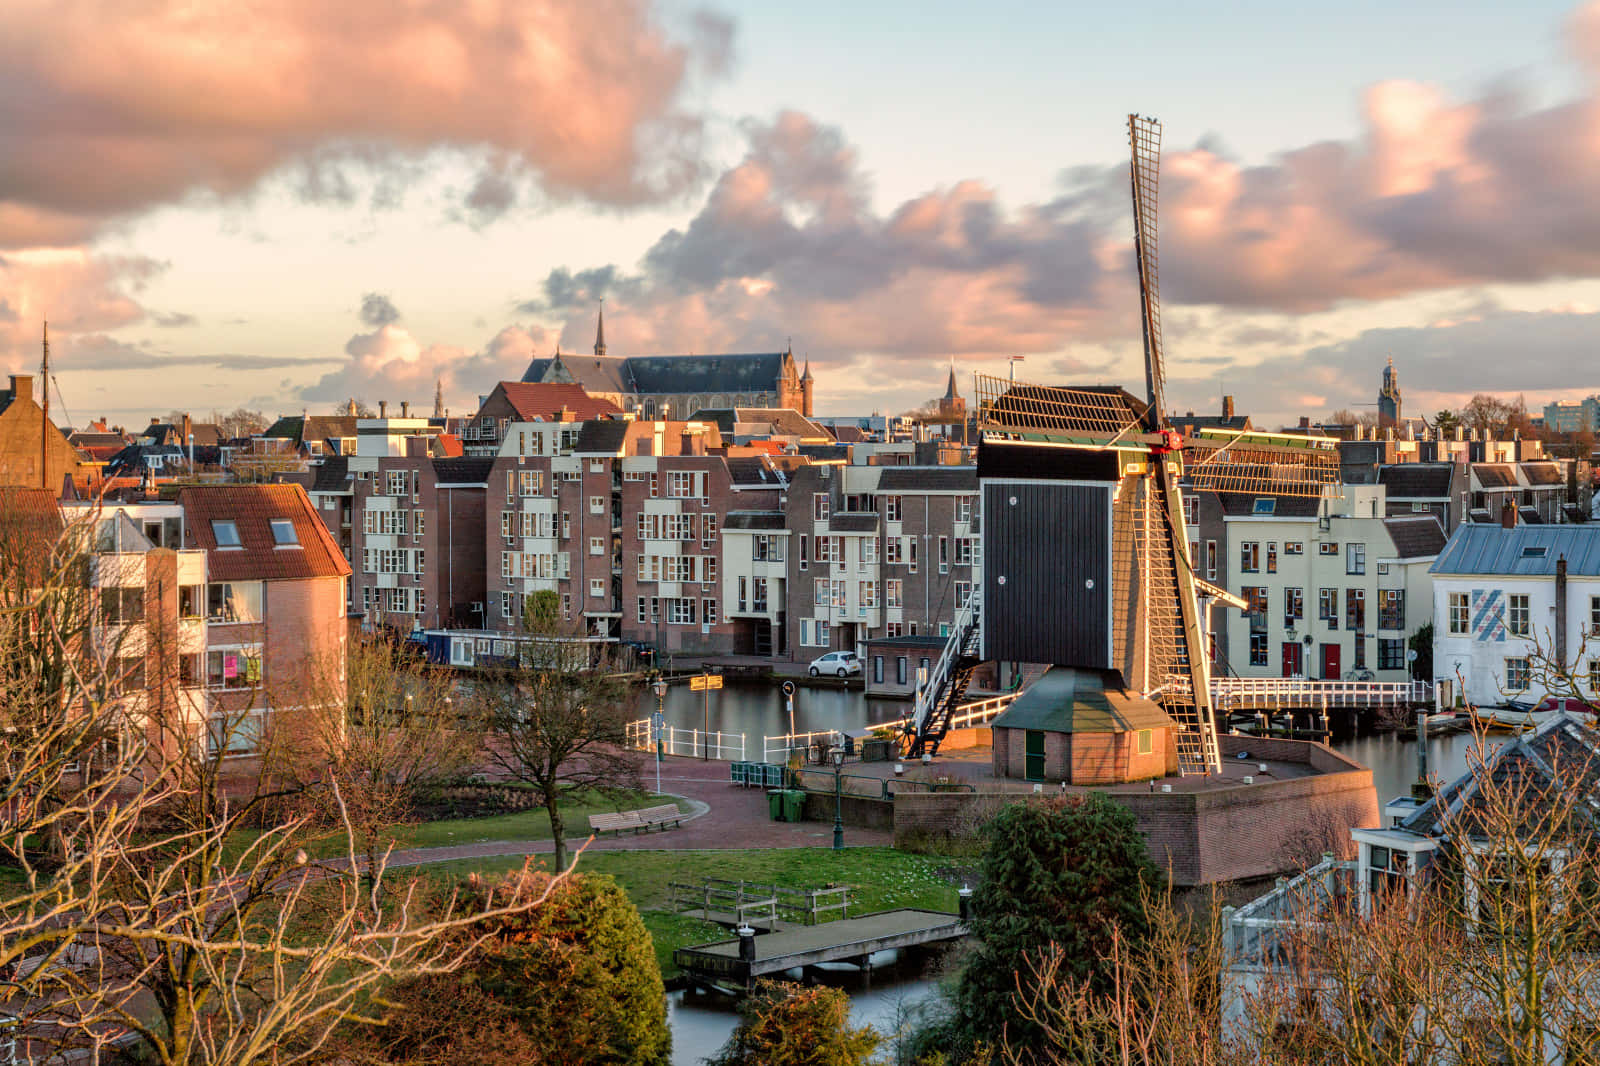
(559, 722)
(167, 922)
(380, 723)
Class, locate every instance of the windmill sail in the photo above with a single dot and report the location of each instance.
(1145, 135)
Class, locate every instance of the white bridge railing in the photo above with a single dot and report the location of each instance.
(1272, 693)
(781, 745)
(693, 742)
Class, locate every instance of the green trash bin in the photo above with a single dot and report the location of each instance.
(794, 803)
(775, 804)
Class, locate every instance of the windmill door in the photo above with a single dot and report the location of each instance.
(1330, 662)
(1293, 659)
(1033, 761)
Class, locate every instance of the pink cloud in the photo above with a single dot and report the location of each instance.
(79, 292)
(109, 107)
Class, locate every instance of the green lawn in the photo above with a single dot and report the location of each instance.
(880, 878)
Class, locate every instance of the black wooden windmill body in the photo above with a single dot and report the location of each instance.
(1085, 554)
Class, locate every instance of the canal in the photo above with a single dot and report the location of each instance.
(700, 1027)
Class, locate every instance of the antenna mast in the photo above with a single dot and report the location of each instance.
(44, 422)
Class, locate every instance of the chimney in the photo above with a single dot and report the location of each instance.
(22, 388)
(383, 408)
(1305, 422)
(405, 408)
(1388, 433)
(1458, 432)
(188, 427)
(1227, 407)
(1508, 514)
(1561, 613)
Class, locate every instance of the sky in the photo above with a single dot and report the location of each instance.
(286, 205)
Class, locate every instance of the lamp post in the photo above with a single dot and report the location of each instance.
(659, 725)
(838, 809)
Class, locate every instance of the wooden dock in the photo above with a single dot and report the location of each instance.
(852, 940)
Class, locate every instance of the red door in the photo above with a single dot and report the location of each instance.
(1330, 662)
(1293, 659)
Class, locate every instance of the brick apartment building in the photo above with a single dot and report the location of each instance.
(274, 606)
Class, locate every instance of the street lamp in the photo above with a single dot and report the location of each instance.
(838, 810)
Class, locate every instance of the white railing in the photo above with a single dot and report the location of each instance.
(1247, 693)
(928, 691)
(783, 744)
(692, 742)
(976, 713)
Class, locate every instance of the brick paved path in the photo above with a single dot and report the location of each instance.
(724, 816)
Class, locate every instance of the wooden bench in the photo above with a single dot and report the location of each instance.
(639, 821)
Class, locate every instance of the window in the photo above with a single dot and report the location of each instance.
(419, 524)
(964, 508)
(1294, 547)
(877, 669)
(1594, 676)
(1255, 598)
(1383, 569)
(891, 508)
(1459, 613)
(1191, 510)
(911, 560)
(758, 595)
(597, 546)
(804, 560)
(744, 595)
(120, 606)
(838, 599)
(1517, 675)
(1355, 558)
(1359, 660)
(819, 507)
(396, 483)
(708, 533)
(891, 592)
(823, 638)
(566, 525)
(893, 629)
(233, 667)
(968, 550)
(1264, 505)
(1391, 609)
(820, 597)
(234, 735)
(233, 601)
(1211, 560)
(708, 612)
(1518, 615)
(1250, 557)
(893, 553)
(944, 555)
(191, 601)
(226, 532)
(1147, 741)
(508, 601)
(283, 533)
(1294, 607)
(1328, 607)
(1594, 616)
(531, 482)
(680, 483)
(1391, 653)
(766, 548)
(1355, 609)
(867, 595)
(900, 669)
(1272, 557)
(680, 612)
(869, 551)
(1258, 649)
(597, 505)
(597, 588)
(1328, 547)
(1386, 871)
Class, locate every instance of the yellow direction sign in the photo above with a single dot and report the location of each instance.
(701, 682)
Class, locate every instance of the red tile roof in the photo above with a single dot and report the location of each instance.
(252, 508)
(544, 402)
(30, 524)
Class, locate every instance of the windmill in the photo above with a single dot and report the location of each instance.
(1085, 557)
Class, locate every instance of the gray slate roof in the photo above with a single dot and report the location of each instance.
(754, 520)
(737, 373)
(601, 438)
(1492, 549)
(468, 470)
(1068, 700)
(1415, 481)
(928, 479)
(845, 522)
(753, 470)
(331, 475)
(1415, 537)
(1244, 503)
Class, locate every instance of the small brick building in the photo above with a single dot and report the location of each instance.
(1082, 727)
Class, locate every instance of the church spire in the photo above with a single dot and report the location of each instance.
(950, 392)
(438, 397)
(600, 333)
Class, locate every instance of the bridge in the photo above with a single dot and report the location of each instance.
(737, 964)
(1300, 694)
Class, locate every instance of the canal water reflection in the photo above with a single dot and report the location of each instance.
(758, 710)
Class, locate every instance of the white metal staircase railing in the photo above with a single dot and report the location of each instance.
(932, 688)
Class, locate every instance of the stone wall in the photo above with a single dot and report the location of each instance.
(1222, 834)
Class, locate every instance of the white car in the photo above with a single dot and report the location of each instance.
(838, 663)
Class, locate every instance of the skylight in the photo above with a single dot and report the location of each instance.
(1533, 553)
(226, 532)
(283, 533)
(1264, 505)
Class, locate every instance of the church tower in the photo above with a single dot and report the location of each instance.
(1389, 398)
(807, 384)
(951, 405)
(600, 333)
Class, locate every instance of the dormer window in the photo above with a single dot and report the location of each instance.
(283, 533)
(226, 532)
